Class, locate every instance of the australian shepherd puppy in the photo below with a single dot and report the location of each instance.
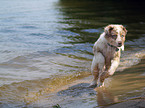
(107, 51)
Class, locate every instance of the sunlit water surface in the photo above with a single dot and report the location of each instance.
(46, 44)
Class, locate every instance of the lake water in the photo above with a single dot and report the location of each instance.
(46, 44)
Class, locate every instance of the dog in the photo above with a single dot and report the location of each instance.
(107, 51)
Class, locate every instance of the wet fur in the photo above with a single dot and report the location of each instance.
(106, 58)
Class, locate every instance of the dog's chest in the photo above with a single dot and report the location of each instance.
(109, 53)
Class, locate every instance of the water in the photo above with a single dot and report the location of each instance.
(47, 44)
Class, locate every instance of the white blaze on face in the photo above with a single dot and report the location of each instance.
(119, 29)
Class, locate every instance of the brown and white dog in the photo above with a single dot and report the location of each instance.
(107, 51)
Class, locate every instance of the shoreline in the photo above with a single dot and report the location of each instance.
(117, 93)
(103, 96)
(136, 102)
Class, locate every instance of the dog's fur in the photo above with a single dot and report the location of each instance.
(107, 50)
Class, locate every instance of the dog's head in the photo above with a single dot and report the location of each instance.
(115, 35)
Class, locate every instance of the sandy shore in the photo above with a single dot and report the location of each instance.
(78, 88)
(122, 90)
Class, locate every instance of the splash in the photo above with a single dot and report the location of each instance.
(129, 59)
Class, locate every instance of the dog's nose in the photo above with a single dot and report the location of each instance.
(119, 44)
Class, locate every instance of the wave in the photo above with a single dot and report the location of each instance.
(30, 90)
(130, 58)
(45, 73)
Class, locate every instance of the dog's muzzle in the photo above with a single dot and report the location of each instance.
(119, 44)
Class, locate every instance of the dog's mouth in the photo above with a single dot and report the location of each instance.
(119, 46)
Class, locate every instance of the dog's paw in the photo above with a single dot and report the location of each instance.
(100, 84)
(93, 85)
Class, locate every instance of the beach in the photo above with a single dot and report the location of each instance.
(115, 94)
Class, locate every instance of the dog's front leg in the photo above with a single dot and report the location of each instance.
(97, 67)
(109, 72)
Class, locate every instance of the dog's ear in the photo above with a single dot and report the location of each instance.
(124, 29)
(108, 29)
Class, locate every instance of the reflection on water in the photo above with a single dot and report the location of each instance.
(125, 85)
(47, 44)
(122, 87)
(104, 97)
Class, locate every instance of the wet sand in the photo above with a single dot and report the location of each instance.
(80, 86)
(106, 97)
(78, 95)
(132, 103)
(117, 93)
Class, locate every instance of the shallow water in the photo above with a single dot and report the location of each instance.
(47, 44)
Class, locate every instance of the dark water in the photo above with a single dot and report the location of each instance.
(45, 44)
